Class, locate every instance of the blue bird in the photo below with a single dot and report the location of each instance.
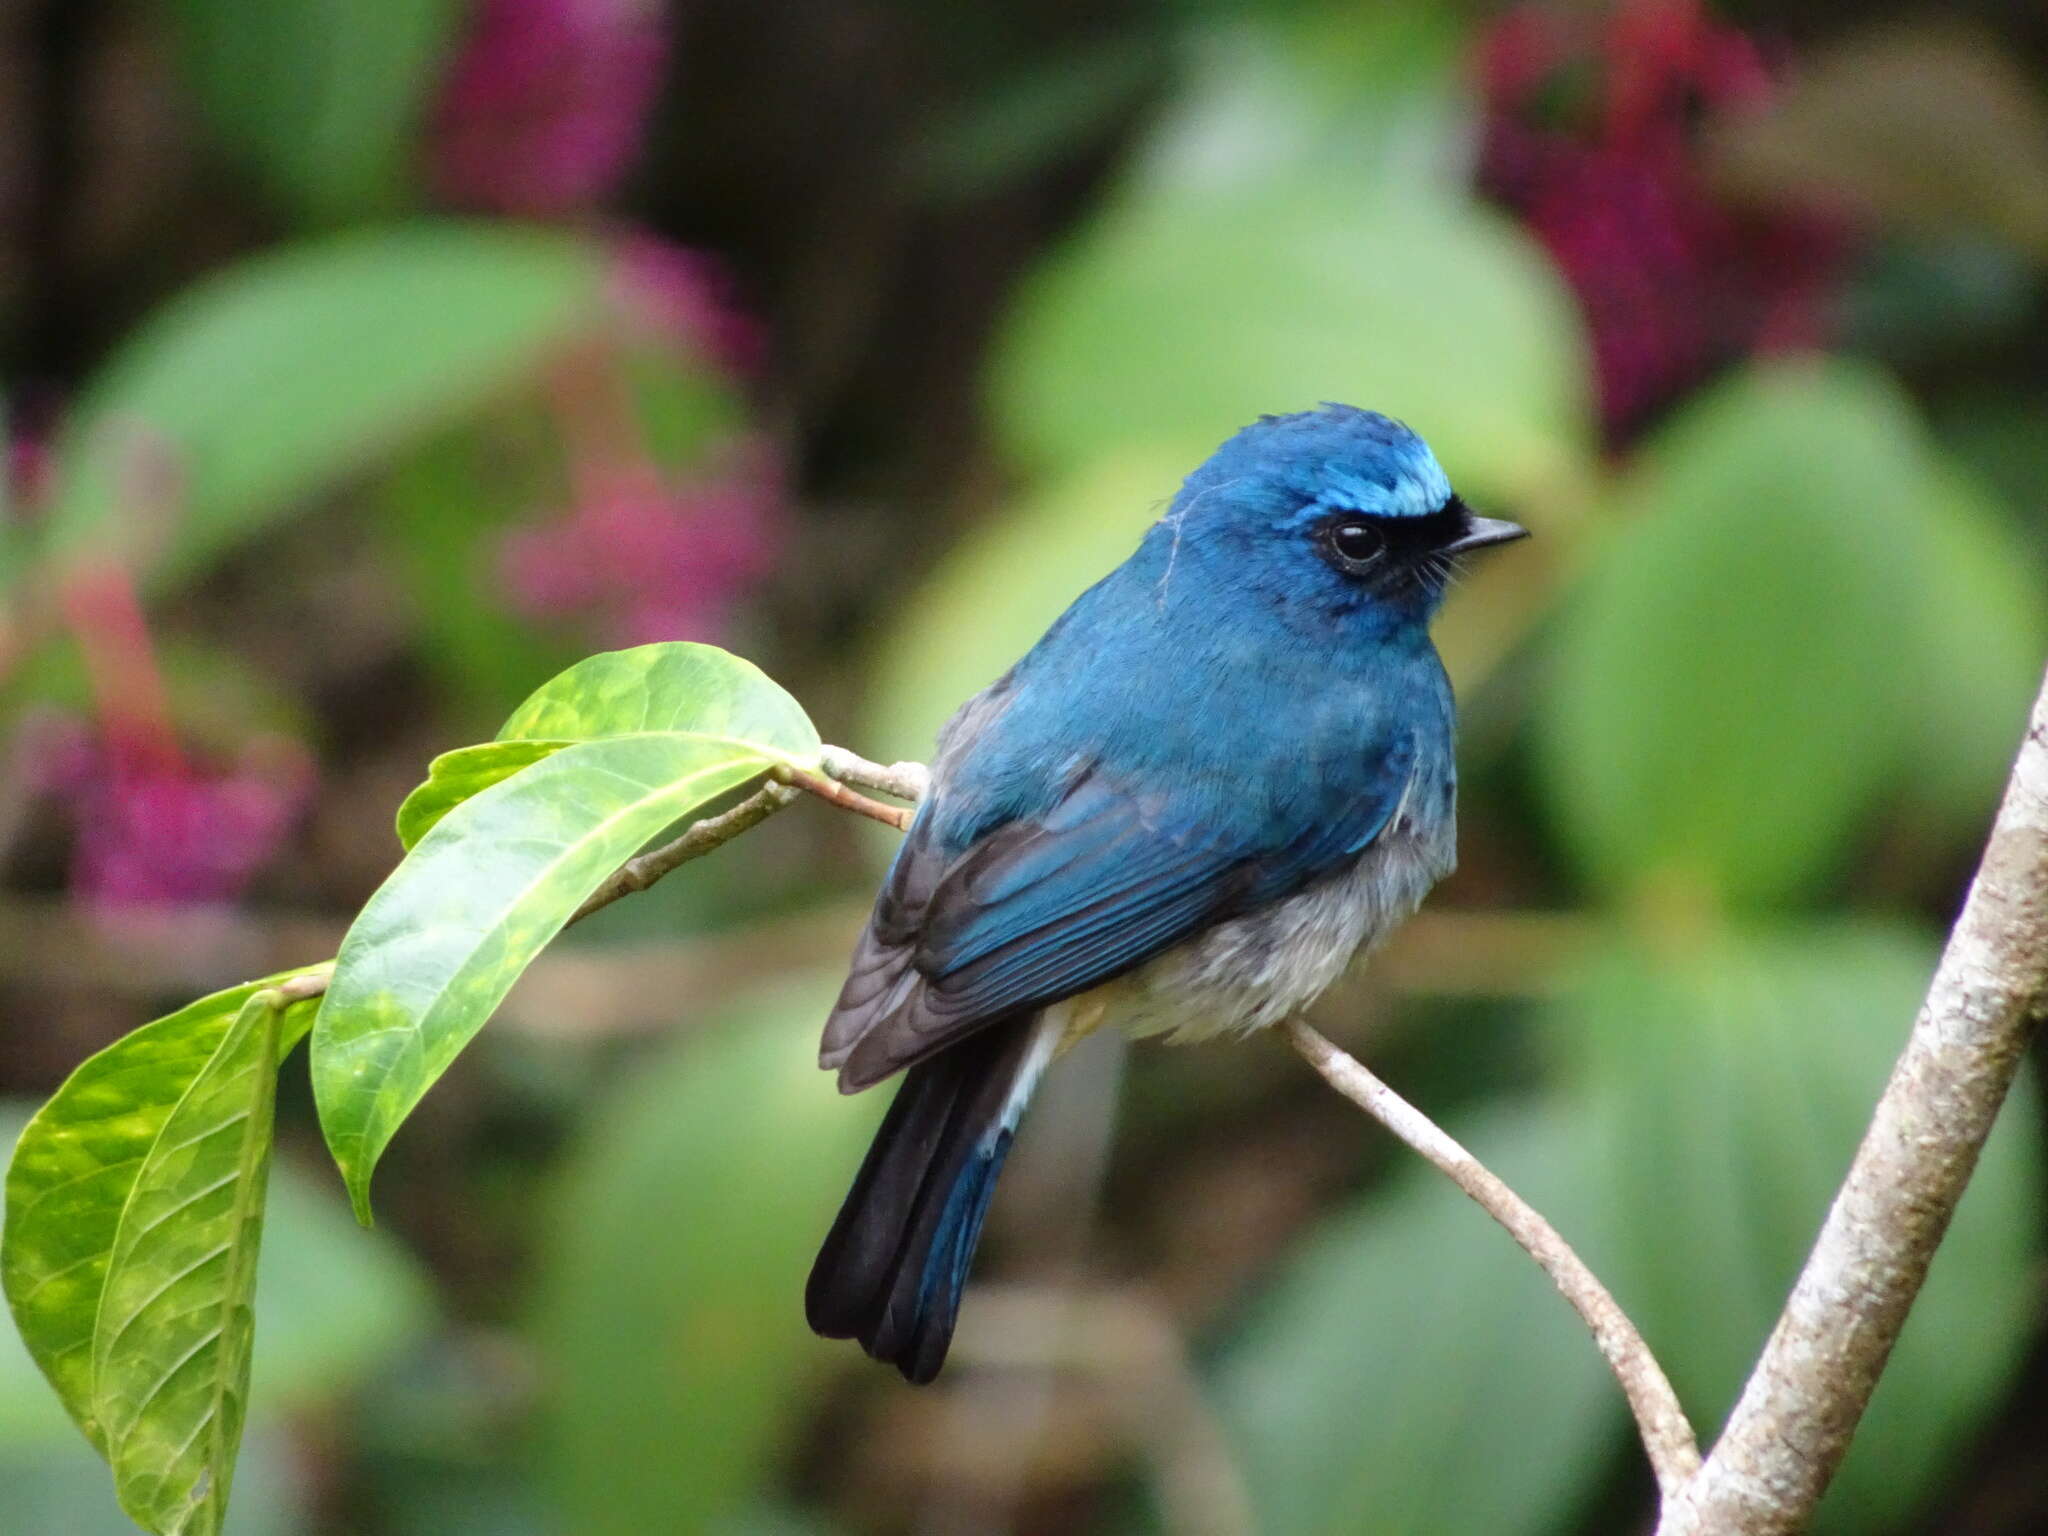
(1224, 772)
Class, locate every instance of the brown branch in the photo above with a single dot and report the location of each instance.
(698, 839)
(1667, 1436)
(1791, 1428)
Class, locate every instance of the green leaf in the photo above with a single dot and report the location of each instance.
(441, 513)
(1436, 312)
(455, 776)
(1985, 633)
(671, 1270)
(1727, 696)
(669, 686)
(71, 1175)
(65, 1489)
(1044, 107)
(1730, 1088)
(278, 375)
(1412, 1371)
(440, 943)
(673, 688)
(171, 1344)
(323, 101)
(335, 1302)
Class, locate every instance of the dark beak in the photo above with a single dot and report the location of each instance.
(1483, 531)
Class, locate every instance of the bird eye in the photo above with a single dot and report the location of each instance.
(1357, 544)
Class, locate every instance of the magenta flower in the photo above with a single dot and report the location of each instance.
(542, 110)
(1591, 138)
(152, 832)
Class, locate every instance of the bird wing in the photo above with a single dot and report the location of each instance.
(1047, 906)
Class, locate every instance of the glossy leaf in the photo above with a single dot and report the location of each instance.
(334, 1301)
(455, 776)
(322, 101)
(1411, 1371)
(279, 374)
(668, 686)
(443, 939)
(171, 1344)
(671, 1272)
(1727, 697)
(1730, 1088)
(71, 1175)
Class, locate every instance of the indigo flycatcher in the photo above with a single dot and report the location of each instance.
(1222, 774)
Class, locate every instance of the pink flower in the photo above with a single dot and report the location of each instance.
(155, 833)
(648, 563)
(542, 111)
(1591, 137)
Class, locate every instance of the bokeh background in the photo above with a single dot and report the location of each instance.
(366, 362)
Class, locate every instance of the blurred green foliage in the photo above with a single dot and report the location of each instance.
(1722, 1090)
(257, 389)
(1772, 565)
(338, 143)
(662, 1305)
(1410, 1361)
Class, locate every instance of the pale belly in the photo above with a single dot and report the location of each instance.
(1256, 970)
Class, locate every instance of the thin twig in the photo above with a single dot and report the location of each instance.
(1792, 1425)
(1667, 1436)
(906, 781)
(846, 799)
(698, 839)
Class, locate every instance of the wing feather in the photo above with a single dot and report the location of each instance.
(1045, 907)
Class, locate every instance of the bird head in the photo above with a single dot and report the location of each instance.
(1330, 513)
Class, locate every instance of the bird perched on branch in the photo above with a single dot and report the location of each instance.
(1224, 772)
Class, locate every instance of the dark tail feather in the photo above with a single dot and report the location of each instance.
(892, 1269)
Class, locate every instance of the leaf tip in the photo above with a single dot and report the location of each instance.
(359, 1199)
